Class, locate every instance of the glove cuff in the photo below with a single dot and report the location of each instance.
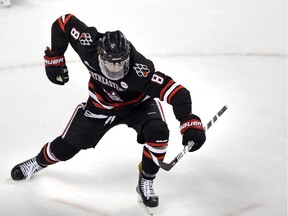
(55, 61)
(193, 122)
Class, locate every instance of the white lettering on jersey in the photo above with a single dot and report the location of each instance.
(105, 81)
(102, 79)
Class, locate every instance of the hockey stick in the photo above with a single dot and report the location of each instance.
(168, 166)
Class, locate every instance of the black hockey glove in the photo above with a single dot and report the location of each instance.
(192, 129)
(56, 69)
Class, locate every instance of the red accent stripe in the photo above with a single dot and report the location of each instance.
(171, 82)
(174, 92)
(61, 24)
(97, 105)
(161, 110)
(91, 85)
(147, 154)
(160, 157)
(55, 61)
(100, 98)
(46, 156)
(185, 125)
(128, 102)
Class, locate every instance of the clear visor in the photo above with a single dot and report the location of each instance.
(114, 67)
(113, 70)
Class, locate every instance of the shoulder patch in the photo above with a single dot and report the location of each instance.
(141, 70)
(85, 39)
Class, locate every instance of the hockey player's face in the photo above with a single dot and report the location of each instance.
(114, 70)
(114, 67)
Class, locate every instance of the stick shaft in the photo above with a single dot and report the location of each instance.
(168, 166)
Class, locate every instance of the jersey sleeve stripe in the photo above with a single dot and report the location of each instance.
(62, 21)
(170, 91)
(174, 92)
(165, 89)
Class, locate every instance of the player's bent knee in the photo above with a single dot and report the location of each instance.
(155, 130)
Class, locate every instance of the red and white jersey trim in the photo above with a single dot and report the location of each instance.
(169, 91)
(92, 95)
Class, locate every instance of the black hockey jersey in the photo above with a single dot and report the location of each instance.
(139, 84)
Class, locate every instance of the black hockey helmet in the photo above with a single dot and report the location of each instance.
(114, 55)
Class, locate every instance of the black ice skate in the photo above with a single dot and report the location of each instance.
(147, 197)
(26, 169)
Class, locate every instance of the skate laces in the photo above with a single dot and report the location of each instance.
(147, 188)
(30, 167)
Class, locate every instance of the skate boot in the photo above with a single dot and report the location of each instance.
(146, 192)
(26, 169)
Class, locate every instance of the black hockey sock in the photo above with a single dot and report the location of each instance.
(155, 133)
(149, 168)
(45, 156)
(57, 150)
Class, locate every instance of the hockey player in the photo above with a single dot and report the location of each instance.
(122, 88)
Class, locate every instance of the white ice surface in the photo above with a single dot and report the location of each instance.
(225, 52)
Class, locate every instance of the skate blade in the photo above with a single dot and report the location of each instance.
(148, 210)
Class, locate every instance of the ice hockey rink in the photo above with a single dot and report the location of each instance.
(226, 52)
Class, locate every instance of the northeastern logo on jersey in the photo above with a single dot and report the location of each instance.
(85, 39)
(141, 70)
(113, 95)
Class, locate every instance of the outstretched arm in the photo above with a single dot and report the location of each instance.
(166, 89)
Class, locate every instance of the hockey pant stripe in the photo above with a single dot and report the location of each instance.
(80, 106)
(161, 111)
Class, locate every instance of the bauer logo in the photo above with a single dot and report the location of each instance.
(191, 124)
(54, 62)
